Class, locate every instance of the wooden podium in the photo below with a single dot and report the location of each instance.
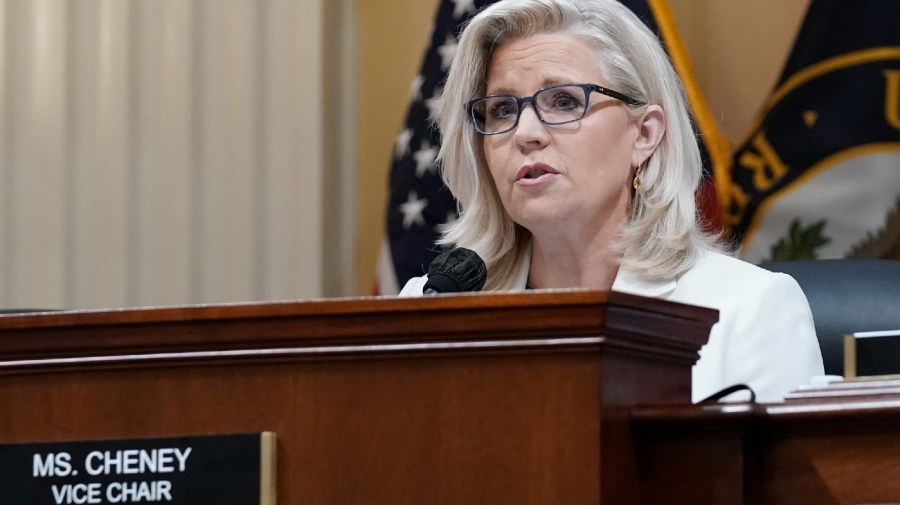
(497, 399)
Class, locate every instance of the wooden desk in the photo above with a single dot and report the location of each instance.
(535, 398)
(838, 444)
(499, 399)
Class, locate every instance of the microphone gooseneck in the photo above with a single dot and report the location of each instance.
(455, 271)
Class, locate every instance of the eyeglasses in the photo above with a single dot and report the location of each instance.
(555, 105)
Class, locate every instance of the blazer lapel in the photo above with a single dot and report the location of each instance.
(631, 283)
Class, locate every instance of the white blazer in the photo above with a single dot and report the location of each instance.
(765, 336)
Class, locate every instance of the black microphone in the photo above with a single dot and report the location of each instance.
(455, 271)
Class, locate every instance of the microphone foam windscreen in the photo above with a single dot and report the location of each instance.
(456, 270)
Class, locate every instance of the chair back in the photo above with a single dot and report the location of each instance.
(846, 296)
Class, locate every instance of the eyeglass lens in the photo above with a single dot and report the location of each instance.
(556, 105)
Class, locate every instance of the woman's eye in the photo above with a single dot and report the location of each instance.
(503, 110)
(565, 101)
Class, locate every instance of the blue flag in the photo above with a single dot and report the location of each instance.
(419, 203)
(819, 174)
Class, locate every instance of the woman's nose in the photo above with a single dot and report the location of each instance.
(530, 130)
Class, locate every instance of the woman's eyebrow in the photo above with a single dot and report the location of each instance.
(545, 84)
(501, 91)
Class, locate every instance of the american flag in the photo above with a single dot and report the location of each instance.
(419, 203)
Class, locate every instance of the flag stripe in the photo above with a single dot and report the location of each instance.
(711, 137)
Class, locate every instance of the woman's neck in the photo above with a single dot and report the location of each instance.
(556, 263)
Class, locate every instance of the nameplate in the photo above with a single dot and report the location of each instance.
(203, 470)
(872, 354)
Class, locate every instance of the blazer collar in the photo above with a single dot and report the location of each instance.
(630, 282)
(626, 281)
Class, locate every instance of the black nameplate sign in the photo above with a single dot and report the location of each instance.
(204, 470)
(872, 354)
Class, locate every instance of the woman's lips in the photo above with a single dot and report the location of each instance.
(535, 174)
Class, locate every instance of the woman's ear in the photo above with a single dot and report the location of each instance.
(651, 128)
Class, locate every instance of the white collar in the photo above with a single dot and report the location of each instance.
(626, 281)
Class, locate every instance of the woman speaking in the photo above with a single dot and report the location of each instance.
(567, 141)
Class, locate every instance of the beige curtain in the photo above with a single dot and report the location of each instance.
(158, 152)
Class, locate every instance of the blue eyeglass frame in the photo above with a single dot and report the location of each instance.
(521, 101)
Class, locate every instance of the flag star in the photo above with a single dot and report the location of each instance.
(447, 50)
(462, 7)
(425, 158)
(415, 90)
(412, 210)
(402, 145)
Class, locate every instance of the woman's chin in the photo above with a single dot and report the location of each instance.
(539, 221)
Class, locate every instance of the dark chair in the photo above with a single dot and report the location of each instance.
(846, 296)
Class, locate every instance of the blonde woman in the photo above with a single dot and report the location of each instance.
(567, 141)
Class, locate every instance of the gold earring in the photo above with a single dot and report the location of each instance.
(636, 183)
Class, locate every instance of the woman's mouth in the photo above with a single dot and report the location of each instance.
(535, 174)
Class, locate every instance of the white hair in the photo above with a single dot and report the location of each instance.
(661, 239)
